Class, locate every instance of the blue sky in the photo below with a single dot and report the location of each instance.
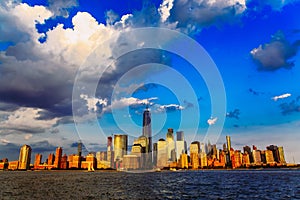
(50, 72)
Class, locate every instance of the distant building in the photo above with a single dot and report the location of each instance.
(194, 160)
(281, 155)
(51, 159)
(228, 141)
(171, 145)
(25, 157)
(183, 161)
(120, 146)
(203, 160)
(180, 146)
(58, 155)
(269, 157)
(37, 161)
(147, 132)
(275, 152)
(256, 157)
(131, 162)
(64, 162)
(162, 153)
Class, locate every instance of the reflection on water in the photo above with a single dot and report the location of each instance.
(248, 184)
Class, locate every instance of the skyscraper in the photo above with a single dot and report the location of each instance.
(79, 149)
(58, 156)
(147, 131)
(228, 147)
(25, 157)
(180, 144)
(120, 146)
(171, 145)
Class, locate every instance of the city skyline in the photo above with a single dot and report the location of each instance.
(83, 71)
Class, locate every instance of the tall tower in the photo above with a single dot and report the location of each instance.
(79, 149)
(25, 157)
(147, 132)
(171, 145)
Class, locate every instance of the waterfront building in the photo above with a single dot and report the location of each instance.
(247, 149)
(256, 156)
(37, 161)
(147, 131)
(246, 159)
(222, 159)
(79, 148)
(281, 156)
(13, 165)
(180, 146)
(120, 146)
(162, 153)
(155, 154)
(194, 160)
(171, 145)
(25, 157)
(64, 162)
(51, 159)
(183, 161)
(228, 141)
(202, 148)
(131, 162)
(58, 155)
(203, 160)
(236, 159)
(269, 157)
(110, 152)
(275, 152)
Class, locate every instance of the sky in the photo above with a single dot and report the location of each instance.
(84, 70)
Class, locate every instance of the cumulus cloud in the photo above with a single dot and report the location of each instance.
(276, 54)
(283, 96)
(212, 121)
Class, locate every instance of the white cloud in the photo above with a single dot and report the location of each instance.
(168, 108)
(283, 96)
(212, 121)
(164, 9)
(125, 102)
(92, 102)
(26, 120)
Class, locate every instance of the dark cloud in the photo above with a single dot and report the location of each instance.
(289, 108)
(192, 15)
(233, 114)
(42, 146)
(276, 54)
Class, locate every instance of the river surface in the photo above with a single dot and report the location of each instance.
(209, 184)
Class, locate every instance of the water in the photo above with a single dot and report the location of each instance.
(247, 184)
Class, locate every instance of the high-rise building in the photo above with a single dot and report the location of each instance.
(79, 149)
(171, 145)
(228, 140)
(64, 162)
(269, 157)
(38, 160)
(25, 157)
(58, 156)
(162, 153)
(120, 146)
(51, 159)
(147, 131)
(281, 155)
(256, 157)
(275, 152)
(180, 144)
(109, 143)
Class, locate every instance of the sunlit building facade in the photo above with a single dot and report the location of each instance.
(120, 146)
(24, 157)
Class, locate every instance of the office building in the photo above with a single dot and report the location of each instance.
(37, 161)
(147, 131)
(162, 153)
(281, 155)
(79, 148)
(25, 157)
(171, 145)
(256, 156)
(58, 155)
(180, 146)
(120, 146)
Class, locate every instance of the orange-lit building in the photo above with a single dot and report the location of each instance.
(58, 155)
(37, 161)
(13, 165)
(64, 162)
(195, 160)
